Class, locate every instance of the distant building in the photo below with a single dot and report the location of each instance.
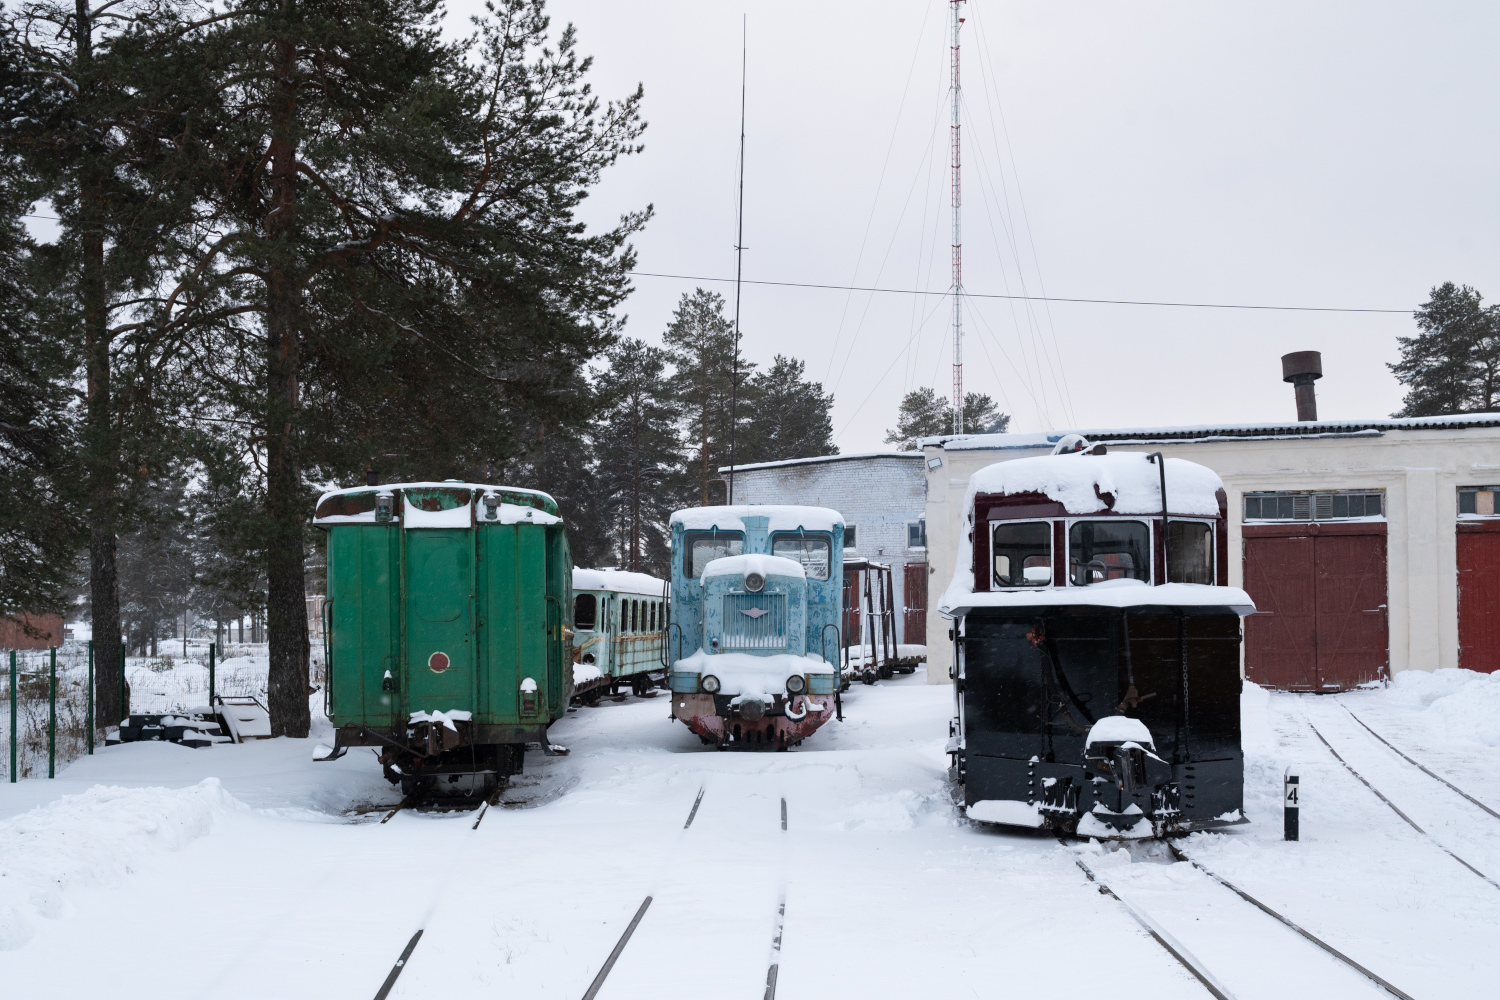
(1369, 547)
(13, 635)
(882, 496)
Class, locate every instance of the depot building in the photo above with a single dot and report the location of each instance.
(1369, 547)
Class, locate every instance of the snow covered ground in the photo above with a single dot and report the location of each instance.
(250, 871)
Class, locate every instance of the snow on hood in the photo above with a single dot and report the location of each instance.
(960, 598)
(1120, 729)
(783, 517)
(744, 675)
(619, 580)
(766, 566)
(1129, 476)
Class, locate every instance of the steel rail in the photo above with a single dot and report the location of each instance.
(1381, 796)
(390, 980)
(1436, 777)
(1287, 921)
(1187, 961)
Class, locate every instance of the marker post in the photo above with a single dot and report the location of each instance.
(1290, 804)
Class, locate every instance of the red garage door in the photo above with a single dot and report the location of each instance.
(1319, 592)
(1479, 595)
(914, 597)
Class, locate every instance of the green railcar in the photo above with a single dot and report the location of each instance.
(446, 628)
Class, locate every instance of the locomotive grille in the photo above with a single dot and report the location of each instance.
(746, 627)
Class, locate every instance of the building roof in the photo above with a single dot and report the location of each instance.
(913, 455)
(1216, 432)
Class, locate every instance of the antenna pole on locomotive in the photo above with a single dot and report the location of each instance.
(739, 239)
(958, 242)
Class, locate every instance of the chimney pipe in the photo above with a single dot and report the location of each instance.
(1302, 369)
(372, 477)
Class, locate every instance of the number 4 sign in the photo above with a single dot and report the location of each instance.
(1290, 804)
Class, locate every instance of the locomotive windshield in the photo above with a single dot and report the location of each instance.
(702, 547)
(812, 551)
(1108, 550)
(1191, 558)
(1023, 554)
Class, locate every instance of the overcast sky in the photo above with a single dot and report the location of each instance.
(1338, 154)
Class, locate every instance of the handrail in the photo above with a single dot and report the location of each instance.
(838, 674)
(327, 617)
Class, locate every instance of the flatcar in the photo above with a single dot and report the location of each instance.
(619, 620)
(1096, 647)
(445, 628)
(754, 634)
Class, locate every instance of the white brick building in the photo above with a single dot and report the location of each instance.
(882, 496)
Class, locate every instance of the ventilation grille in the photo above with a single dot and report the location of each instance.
(745, 627)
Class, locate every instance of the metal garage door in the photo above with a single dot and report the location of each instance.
(1320, 595)
(1479, 595)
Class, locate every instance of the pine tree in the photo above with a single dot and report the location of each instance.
(401, 276)
(700, 342)
(638, 449)
(785, 415)
(1453, 364)
(923, 413)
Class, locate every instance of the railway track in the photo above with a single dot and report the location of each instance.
(1217, 982)
(1397, 809)
(1418, 765)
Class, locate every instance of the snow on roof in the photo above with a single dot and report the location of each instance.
(913, 455)
(618, 580)
(1210, 432)
(765, 565)
(361, 510)
(783, 517)
(960, 598)
(1076, 481)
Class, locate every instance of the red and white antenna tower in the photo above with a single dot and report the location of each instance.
(958, 242)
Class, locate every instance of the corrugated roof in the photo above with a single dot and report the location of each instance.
(1211, 432)
(915, 455)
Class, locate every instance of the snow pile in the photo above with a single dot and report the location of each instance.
(1128, 476)
(585, 672)
(450, 717)
(752, 676)
(1119, 729)
(618, 580)
(1012, 812)
(783, 517)
(93, 839)
(766, 566)
(1465, 702)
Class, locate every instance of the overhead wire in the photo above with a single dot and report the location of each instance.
(876, 385)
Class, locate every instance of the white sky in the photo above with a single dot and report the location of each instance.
(1276, 153)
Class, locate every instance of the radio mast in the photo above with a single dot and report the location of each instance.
(958, 241)
(739, 249)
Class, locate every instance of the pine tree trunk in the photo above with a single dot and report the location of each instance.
(286, 603)
(100, 458)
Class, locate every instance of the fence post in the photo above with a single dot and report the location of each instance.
(91, 698)
(213, 649)
(13, 775)
(124, 705)
(52, 712)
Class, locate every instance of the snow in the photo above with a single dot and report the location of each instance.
(585, 672)
(413, 516)
(451, 716)
(528, 685)
(959, 598)
(766, 566)
(1465, 704)
(618, 580)
(278, 852)
(783, 517)
(1012, 811)
(841, 457)
(1129, 476)
(752, 676)
(1119, 729)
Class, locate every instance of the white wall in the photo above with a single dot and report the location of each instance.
(1419, 470)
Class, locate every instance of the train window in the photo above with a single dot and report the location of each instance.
(1099, 551)
(702, 547)
(812, 551)
(624, 616)
(1023, 554)
(585, 611)
(1190, 558)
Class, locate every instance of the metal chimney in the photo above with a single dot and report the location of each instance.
(1302, 369)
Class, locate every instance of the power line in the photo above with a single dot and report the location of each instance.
(1030, 298)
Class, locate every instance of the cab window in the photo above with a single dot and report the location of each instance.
(1099, 551)
(812, 551)
(1022, 554)
(702, 547)
(1190, 552)
(585, 611)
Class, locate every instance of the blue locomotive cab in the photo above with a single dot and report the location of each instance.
(756, 598)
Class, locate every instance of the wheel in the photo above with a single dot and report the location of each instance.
(640, 684)
(868, 676)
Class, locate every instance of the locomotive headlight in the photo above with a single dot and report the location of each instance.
(710, 684)
(796, 684)
(754, 582)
